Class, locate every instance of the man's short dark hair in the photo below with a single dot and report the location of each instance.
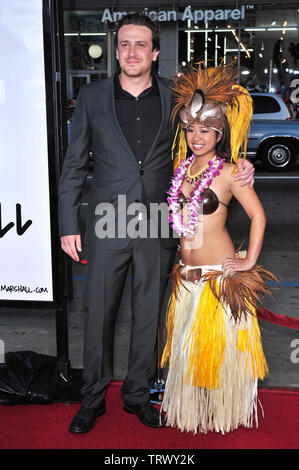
(140, 19)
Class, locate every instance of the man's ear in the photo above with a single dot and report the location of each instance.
(155, 55)
(117, 56)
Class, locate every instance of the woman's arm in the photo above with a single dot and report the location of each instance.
(251, 204)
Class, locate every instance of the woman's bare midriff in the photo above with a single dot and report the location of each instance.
(211, 246)
(212, 243)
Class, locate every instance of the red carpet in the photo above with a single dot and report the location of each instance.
(46, 427)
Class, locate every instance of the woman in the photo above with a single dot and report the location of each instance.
(213, 339)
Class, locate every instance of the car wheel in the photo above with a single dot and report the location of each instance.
(279, 155)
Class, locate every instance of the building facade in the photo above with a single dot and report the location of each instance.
(262, 37)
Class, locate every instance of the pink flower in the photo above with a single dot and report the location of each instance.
(175, 217)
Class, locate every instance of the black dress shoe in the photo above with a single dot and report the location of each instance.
(85, 419)
(147, 414)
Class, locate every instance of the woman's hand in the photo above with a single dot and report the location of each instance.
(230, 265)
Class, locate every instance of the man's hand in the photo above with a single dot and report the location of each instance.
(245, 173)
(70, 244)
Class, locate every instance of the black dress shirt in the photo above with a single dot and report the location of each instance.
(139, 117)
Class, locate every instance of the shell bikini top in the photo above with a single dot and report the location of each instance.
(210, 201)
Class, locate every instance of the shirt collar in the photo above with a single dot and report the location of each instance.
(123, 94)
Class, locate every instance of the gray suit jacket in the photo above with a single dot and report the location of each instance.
(115, 169)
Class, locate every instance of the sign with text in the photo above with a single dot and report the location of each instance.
(25, 228)
(193, 14)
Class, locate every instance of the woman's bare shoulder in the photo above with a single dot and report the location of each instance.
(228, 170)
(227, 166)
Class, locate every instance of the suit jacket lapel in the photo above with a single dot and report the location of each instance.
(165, 98)
(108, 104)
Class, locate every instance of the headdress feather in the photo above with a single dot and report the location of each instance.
(217, 87)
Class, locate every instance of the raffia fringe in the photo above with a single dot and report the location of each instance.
(214, 360)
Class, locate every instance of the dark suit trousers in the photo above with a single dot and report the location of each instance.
(106, 276)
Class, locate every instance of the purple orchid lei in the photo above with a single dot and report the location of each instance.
(175, 213)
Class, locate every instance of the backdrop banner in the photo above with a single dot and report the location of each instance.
(25, 222)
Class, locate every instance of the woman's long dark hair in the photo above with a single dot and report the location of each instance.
(223, 146)
(224, 151)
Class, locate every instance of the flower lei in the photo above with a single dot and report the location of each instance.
(175, 215)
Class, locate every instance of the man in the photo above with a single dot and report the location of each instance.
(125, 121)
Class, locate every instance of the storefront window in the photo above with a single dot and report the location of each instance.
(88, 44)
(262, 39)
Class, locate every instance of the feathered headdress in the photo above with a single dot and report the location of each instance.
(205, 96)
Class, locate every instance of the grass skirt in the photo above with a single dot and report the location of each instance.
(215, 362)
